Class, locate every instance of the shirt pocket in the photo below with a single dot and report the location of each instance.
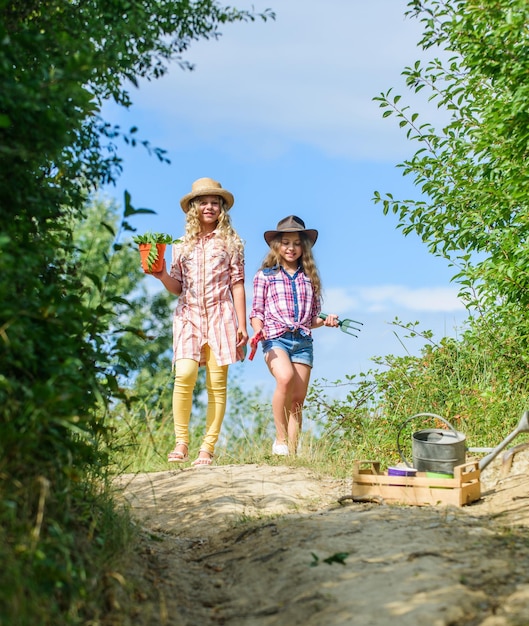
(218, 259)
(277, 288)
(188, 264)
(307, 289)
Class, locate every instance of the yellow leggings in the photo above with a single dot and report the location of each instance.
(186, 372)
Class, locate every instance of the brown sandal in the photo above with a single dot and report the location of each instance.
(178, 456)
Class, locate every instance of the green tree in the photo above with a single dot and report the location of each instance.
(59, 60)
(138, 337)
(473, 172)
(470, 171)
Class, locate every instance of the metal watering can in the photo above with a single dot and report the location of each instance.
(523, 427)
(435, 449)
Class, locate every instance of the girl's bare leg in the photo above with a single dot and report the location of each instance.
(298, 392)
(282, 370)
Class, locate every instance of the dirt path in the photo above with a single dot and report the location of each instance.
(241, 545)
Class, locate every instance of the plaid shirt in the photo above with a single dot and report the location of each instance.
(205, 313)
(283, 302)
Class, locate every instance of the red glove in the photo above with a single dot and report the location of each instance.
(254, 342)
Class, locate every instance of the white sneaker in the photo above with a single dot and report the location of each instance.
(280, 449)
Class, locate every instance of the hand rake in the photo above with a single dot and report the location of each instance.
(346, 326)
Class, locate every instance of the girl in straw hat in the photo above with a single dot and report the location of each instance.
(209, 324)
(286, 304)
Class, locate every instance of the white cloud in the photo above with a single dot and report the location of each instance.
(309, 77)
(340, 300)
(382, 298)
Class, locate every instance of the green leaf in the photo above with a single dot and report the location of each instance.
(154, 238)
(338, 557)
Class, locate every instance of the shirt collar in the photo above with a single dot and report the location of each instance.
(210, 235)
(290, 275)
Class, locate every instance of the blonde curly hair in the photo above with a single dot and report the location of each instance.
(234, 244)
(307, 262)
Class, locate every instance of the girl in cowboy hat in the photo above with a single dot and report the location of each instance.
(286, 304)
(209, 324)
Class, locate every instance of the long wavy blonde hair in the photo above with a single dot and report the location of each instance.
(234, 244)
(306, 260)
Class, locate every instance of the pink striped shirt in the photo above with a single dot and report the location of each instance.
(283, 302)
(205, 313)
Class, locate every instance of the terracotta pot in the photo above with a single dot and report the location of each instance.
(157, 266)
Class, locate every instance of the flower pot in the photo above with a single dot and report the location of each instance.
(156, 264)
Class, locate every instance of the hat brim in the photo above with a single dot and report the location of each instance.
(213, 191)
(311, 233)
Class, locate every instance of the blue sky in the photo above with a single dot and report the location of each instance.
(282, 114)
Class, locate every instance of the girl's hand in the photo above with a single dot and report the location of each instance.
(254, 342)
(331, 320)
(159, 275)
(242, 338)
(257, 337)
(171, 284)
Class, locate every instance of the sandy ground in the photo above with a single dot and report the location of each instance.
(272, 545)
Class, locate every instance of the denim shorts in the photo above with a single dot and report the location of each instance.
(297, 346)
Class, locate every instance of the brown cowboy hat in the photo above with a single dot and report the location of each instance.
(206, 187)
(291, 224)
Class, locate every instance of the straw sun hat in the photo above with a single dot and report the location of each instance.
(291, 224)
(206, 187)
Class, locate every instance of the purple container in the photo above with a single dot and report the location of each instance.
(402, 471)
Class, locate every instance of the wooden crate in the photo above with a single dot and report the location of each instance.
(464, 488)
